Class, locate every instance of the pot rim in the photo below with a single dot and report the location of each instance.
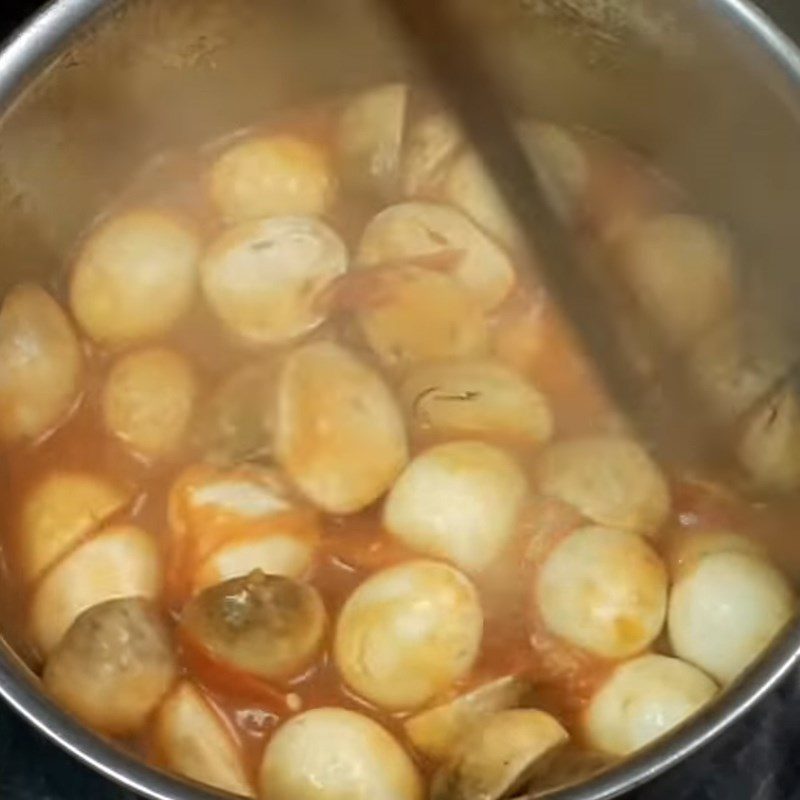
(22, 57)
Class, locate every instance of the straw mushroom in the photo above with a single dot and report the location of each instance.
(432, 143)
(192, 740)
(459, 501)
(266, 625)
(333, 753)
(264, 278)
(478, 397)
(120, 561)
(135, 277)
(500, 756)
(408, 633)
(339, 433)
(419, 228)
(41, 364)
(437, 731)
(611, 480)
(113, 666)
(60, 510)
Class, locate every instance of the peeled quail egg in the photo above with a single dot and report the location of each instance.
(270, 176)
(603, 590)
(135, 277)
(726, 610)
(432, 143)
(436, 732)
(148, 400)
(339, 432)
(611, 480)
(663, 256)
(643, 700)
(414, 229)
(121, 561)
(459, 501)
(41, 364)
(266, 625)
(264, 278)
(370, 136)
(476, 397)
(500, 756)
(192, 740)
(113, 666)
(687, 547)
(420, 314)
(333, 753)
(59, 511)
(407, 633)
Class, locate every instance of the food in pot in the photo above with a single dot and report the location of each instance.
(113, 666)
(319, 496)
(300, 762)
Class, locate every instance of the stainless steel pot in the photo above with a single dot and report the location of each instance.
(708, 89)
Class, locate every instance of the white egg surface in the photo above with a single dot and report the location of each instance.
(725, 610)
(643, 700)
(458, 501)
(603, 590)
(408, 633)
(309, 491)
(366, 762)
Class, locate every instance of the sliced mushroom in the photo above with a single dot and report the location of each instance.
(769, 444)
(226, 523)
(407, 633)
(432, 143)
(370, 136)
(339, 432)
(642, 701)
(120, 561)
(611, 480)
(333, 753)
(271, 176)
(437, 731)
(415, 229)
(135, 277)
(192, 740)
(561, 162)
(236, 425)
(500, 756)
(476, 397)
(459, 501)
(113, 666)
(41, 364)
(659, 256)
(420, 314)
(265, 625)
(264, 278)
(469, 186)
(148, 401)
(726, 610)
(603, 590)
(59, 511)
(285, 547)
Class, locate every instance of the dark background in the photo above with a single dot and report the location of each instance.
(759, 759)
